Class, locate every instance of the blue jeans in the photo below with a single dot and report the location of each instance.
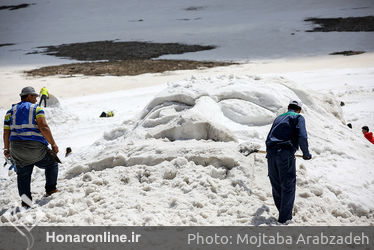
(282, 175)
(24, 175)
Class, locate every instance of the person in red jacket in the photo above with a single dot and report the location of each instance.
(368, 135)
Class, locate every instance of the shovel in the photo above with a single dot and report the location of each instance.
(247, 151)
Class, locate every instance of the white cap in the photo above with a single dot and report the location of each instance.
(297, 103)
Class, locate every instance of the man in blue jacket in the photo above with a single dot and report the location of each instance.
(26, 137)
(286, 135)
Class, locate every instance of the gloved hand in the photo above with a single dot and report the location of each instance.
(307, 157)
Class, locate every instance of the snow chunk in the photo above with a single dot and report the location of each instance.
(115, 133)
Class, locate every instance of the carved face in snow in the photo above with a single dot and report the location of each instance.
(215, 110)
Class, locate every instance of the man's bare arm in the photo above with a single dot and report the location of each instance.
(6, 136)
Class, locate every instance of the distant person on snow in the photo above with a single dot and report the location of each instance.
(368, 135)
(107, 114)
(287, 133)
(44, 95)
(68, 151)
(26, 136)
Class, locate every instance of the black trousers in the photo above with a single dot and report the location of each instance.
(282, 175)
(43, 97)
(24, 175)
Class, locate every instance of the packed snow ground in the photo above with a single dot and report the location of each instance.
(173, 158)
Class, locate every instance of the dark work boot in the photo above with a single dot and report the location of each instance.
(49, 193)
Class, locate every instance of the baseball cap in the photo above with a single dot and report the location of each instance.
(297, 103)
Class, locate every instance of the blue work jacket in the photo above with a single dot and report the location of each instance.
(22, 122)
(288, 131)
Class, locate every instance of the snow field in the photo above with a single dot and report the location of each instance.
(177, 161)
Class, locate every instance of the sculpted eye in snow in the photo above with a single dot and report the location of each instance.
(246, 113)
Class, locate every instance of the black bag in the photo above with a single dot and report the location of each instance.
(54, 155)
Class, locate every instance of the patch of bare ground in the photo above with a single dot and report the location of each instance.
(6, 44)
(118, 51)
(347, 53)
(120, 58)
(340, 24)
(15, 7)
(121, 68)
